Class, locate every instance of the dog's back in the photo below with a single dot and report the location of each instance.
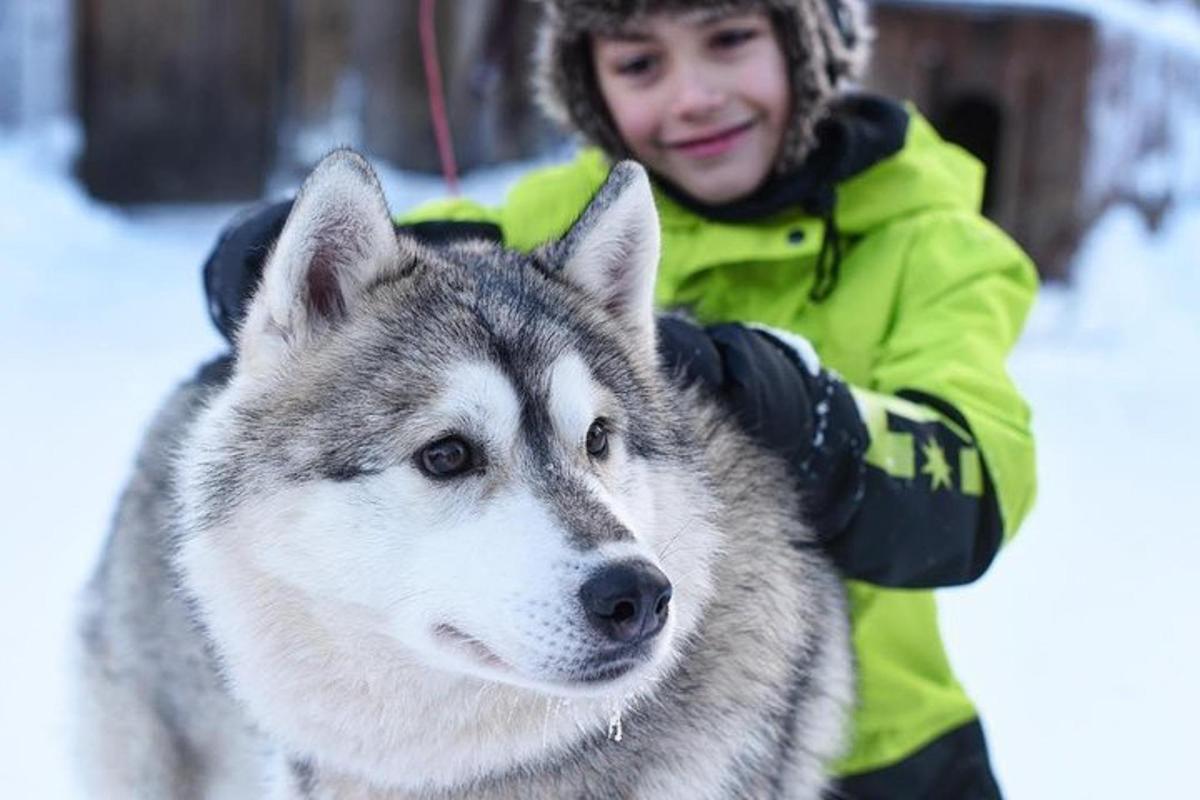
(398, 562)
(154, 720)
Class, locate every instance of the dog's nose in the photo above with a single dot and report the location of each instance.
(627, 602)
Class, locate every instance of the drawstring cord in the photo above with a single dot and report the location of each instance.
(829, 262)
(437, 100)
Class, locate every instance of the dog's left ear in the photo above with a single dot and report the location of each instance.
(338, 239)
(612, 250)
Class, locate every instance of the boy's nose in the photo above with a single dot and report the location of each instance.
(697, 98)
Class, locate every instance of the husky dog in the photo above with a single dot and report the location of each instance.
(444, 529)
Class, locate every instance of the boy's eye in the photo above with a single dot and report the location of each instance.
(636, 65)
(730, 38)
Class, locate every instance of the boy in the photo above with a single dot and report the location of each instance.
(846, 225)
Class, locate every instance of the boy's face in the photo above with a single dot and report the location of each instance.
(701, 98)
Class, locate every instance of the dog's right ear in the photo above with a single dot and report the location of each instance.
(612, 250)
(337, 240)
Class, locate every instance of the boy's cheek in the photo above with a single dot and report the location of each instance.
(636, 118)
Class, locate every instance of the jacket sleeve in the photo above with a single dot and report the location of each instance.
(540, 207)
(450, 219)
(950, 464)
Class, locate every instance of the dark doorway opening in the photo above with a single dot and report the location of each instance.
(974, 122)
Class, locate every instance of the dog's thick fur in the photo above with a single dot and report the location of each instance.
(292, 604)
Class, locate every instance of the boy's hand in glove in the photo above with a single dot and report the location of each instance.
(775, 385)
(235, 264)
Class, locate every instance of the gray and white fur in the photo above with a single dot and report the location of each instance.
(298, 601)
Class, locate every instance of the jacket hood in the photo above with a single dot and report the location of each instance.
(927, 173)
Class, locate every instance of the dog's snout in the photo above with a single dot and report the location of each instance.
(627, 602)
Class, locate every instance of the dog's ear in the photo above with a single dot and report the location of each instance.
(612, 250)
(337, 239)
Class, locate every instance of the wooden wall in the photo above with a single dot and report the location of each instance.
(1011, 85)
(317, 55)
(177, 97)
(202, 99)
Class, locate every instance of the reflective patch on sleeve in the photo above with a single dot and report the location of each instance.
(929, 515)
(892, 452)
(970, 471)
(893, 424)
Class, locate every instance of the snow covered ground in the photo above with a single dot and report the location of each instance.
(1080, 645)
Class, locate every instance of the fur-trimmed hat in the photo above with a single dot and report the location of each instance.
(825, 43)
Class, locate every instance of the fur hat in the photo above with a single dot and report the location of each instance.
(825, 43)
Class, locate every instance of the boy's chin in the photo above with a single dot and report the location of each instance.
(719, 184)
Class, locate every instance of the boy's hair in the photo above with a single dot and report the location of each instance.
(825, 43)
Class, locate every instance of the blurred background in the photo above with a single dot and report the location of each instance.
(131, 130)
(1073, 105)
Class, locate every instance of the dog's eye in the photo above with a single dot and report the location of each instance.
(597, 439)
(445, 458)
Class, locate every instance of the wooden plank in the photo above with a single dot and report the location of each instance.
(1027, 75)
(177, 97)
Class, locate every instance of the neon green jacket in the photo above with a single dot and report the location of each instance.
(930, 300)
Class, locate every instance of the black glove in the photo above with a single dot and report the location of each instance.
(809, 418)
(234, 266)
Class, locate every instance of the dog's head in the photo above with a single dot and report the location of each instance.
(458, 463)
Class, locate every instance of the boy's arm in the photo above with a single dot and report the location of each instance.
(966, 293)
(948, 473)
(950, 468)
(233, 268)
(451, 219)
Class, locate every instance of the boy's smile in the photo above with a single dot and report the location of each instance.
(701, 98)
(714, 144)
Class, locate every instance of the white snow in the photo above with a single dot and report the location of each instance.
(1079, 645)
(1171, 23)
(1143, 113)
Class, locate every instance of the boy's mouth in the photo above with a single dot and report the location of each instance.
(713, 144)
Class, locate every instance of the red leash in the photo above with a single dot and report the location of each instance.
(437, 102)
